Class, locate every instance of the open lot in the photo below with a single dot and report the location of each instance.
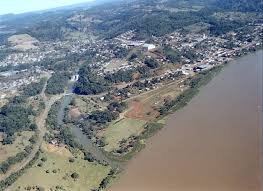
(56, 173)
(115, 64)
(144, 106)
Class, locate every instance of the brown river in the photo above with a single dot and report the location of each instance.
(213, 144)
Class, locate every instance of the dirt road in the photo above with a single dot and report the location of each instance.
(40, 121)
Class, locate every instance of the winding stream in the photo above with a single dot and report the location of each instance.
(80, 136)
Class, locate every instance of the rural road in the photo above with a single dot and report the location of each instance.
(40, 121)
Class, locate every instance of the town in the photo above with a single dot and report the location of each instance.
(82, 89)
(204, 52)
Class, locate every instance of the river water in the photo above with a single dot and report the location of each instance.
(213, 144)
(79, 135)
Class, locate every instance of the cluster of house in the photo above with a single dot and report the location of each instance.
(13, 81)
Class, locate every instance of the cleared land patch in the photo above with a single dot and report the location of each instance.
(59, 150)
(115, 64)
(23, 42)
(144, 106)
(139, 110)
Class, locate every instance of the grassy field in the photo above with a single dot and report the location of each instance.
(122, 129)
(87, 105)
(55, 174)
(21, 141)
(23, 42)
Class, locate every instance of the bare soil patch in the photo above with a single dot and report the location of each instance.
(141, 110)
(74, 113)
(57, 149)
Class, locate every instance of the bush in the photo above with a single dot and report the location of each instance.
(54, 171)
(43, 159)
(75, 175)
(71, 160)
(151, 63)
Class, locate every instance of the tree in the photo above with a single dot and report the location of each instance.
(44, 159)
(71, 160)
(75, 175)
(171, 55)
(151, 63)
(133, 56)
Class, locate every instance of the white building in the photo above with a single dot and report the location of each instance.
(149, 47)
(75, 78)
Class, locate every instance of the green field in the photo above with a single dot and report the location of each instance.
(21, 141)
(55, 174)
(87, 105)
(122, 129)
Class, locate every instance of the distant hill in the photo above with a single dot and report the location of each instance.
(110, 18)
(240, 5)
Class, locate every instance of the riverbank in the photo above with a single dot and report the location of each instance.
(194, 84)
(151, 128)
(184, 143)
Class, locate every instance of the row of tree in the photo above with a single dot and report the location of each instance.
(5, 166)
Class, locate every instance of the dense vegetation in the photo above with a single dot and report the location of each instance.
(57, 83)
(161, 22)
(151, 63)
(120, 76)
(240, 5)
(52, 117)
(128, 75)
(172, 55)
(14, 117)
(52, 25)
(34, 89)
(103, 117)
(89, 82)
